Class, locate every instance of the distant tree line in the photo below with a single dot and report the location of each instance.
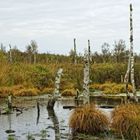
(119, 54)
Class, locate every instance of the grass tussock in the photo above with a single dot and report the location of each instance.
(111, 88)
(68, 92)
(88, 120)
(126, 121)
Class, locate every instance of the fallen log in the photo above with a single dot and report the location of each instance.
(69, 107)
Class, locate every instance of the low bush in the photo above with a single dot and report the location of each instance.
(88, 120)
(126, 121)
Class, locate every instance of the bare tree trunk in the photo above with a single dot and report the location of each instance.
(89, 51)
(10, 102)
(127, 76)
(56, 93)
(11, 60)
(75, 53)
(85, 93)
(132, 55)
(35, 54)
(130, 69)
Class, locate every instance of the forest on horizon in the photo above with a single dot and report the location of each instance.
(32, 73)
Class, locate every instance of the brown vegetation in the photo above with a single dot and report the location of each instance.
(42, 76)
(68, 92)
(111, 88)
(126, 121)
(47, 91)
(88, 120)
(27, 92)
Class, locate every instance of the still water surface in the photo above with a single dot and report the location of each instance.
(45, 125)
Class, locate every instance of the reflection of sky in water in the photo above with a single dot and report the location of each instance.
(26, 123)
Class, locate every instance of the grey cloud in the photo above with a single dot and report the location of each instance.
(60, 21)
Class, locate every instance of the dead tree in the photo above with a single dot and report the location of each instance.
(85, 93)
(9, 100)
(86, 77)
(89, 51)
(56, 93)
(34, 47)
(35, 55)
(75, 53)
(130, 69)
(10, 54)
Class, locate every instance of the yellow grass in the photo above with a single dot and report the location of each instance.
(4, 91)
(126, 121)
(111, 88)
(27, 92)
(88, 120)
(68, 92)
(47, 91)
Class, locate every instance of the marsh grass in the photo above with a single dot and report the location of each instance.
(111, 88)
(27, 92)
(68, 92)
(126, 121)
(4, 91)
(47, 91)
(88, 120)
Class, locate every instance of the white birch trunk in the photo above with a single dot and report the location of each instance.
(75, 53)
(130, 69)
(89, 51)
(56, 93)
(10, 54)
(132, 55)
(57, 83)
(86, 78)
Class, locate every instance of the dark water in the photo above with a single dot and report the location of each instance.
(31, 124)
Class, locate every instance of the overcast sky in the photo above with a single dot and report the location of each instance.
(54, 23)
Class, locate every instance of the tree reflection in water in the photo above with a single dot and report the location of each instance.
(38, 113)
(10, 132)
(54, 119)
